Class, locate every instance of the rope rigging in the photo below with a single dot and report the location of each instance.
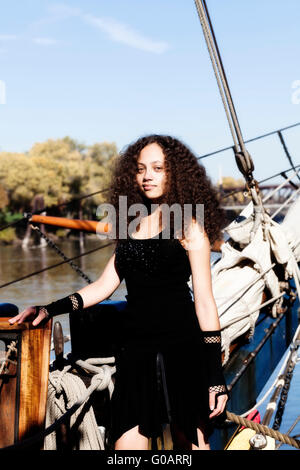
(246, 167)
(71, 395)
(243, 159)
(68, 397)
(27, 216)
(260, 428)
(289, 431)
(11, 351)
(280, 385)
(50, 208)
(242, 156)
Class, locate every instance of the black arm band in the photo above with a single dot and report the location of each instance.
(213, 358)
(68, 304)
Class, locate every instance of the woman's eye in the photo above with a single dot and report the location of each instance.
(156, 168)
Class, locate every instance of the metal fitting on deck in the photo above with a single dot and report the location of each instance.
(258, 441)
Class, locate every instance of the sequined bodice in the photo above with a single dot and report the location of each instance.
(155, 266)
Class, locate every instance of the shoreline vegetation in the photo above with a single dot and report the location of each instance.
(50, 174)
(53, 173)
(9, 237)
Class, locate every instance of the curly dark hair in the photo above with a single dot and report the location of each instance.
(190, 183)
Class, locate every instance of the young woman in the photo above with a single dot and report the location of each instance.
(168, 362)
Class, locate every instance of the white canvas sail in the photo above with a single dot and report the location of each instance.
(246, 269)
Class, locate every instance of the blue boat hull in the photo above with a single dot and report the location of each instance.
(250, 383)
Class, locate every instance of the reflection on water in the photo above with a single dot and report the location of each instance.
(53, 284)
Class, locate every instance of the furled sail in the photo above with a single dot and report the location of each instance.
(249, 267)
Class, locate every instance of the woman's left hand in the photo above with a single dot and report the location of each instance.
(217, 405)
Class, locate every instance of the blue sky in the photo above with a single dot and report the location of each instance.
(100, 70)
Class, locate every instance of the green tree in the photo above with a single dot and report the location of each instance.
(230, 184)
(3, 197)
(99, 164)
(60, 170)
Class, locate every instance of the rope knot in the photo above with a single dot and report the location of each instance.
(103, 378)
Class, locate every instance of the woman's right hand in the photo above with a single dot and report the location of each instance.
(30, 313)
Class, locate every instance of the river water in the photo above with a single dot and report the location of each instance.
(291, 407)
(53, 284)
(17, 262)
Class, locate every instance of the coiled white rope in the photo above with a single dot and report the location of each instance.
(65, 390)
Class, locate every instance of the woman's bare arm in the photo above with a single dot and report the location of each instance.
(103, 287)
(198, 247)
(92, 294)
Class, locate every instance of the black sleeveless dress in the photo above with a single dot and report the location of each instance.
(160, 367)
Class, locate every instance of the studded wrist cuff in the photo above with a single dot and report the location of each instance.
(68, 304)
(213, 359)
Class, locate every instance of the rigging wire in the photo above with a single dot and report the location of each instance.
(268, 134)
(55, 265)
(58, 250)
(212, 55)
(238, 139)
(243, 159)
(220, 61)
(286, 150)
(277, 131)
(282, 173)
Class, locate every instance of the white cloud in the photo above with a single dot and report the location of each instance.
(115, 30)
(45, 41)
(120, 32)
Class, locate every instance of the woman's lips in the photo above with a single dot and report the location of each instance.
(148, 186)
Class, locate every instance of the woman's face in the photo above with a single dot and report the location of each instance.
(151, 175)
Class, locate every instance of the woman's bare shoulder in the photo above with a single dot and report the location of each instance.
(195, 236)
